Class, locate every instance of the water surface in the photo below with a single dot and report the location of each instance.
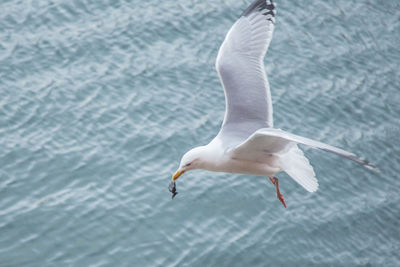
(100, 99)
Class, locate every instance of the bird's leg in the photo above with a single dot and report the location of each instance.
(275, 181)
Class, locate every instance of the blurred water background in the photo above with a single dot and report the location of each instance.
(99, 99)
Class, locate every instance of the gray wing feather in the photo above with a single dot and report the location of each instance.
(275, 141)
(241, 70)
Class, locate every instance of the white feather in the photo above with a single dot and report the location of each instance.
(297, 166)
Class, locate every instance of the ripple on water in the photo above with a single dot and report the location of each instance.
(100, 99)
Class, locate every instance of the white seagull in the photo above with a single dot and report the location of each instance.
(247, 142)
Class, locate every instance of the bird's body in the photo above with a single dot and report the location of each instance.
(266, 165)
(219, 158)
(247, 142)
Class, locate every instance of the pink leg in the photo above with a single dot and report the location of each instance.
(275, 181)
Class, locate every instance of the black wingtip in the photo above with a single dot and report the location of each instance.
(262, 5)
(365, 163)
(371, 167)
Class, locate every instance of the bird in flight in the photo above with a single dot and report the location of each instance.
(247, 142)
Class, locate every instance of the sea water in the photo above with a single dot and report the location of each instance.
(99, 99)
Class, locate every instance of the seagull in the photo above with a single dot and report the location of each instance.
(247, 142)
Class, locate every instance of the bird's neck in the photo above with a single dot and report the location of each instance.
(211, 157)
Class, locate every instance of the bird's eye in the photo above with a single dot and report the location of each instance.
(187, 165)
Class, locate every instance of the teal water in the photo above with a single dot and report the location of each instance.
(100, 99)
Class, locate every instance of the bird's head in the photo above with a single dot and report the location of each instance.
(190, 161)
(196, 158)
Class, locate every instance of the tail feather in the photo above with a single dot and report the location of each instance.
(297, 166)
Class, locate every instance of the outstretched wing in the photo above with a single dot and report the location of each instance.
(276, 141)
(241, 69)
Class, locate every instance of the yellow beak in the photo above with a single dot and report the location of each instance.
(176, 175)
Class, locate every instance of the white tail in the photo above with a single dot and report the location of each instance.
(297, 166)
